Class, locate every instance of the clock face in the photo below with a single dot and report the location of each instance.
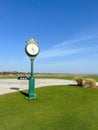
(32, 49)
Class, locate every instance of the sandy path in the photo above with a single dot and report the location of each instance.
(13, 85)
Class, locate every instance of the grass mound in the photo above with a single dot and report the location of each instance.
(55, 108)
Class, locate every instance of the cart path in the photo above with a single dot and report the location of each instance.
(14, 85)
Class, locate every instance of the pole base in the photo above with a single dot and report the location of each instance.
(32, 96)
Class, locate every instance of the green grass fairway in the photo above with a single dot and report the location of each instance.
(55, 108)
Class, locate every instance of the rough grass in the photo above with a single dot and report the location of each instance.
(95, 77)
(50, 75)
(55, 108)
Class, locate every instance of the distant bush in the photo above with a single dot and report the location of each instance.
(89, 83)
(79, 81)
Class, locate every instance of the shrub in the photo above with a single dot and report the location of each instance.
(89, 83)
(79, 81)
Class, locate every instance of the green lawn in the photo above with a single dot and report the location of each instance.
(55, 108)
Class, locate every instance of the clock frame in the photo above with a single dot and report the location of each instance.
(32, 48)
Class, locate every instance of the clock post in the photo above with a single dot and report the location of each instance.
(32, 50)
(32, 82)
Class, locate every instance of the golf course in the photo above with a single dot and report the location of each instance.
(56, 107)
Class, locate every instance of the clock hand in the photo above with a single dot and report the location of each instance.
(32, 49)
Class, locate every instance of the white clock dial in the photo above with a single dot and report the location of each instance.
(32, 49)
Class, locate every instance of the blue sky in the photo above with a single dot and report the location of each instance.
(67, 32)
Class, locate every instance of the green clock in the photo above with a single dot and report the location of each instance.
(32, 48)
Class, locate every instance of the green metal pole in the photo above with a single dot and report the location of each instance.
(32, 94)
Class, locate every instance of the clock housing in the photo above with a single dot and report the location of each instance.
(32, 48)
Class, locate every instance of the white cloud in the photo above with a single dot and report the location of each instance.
(76, 40)
(69, 48)
(59, 52)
